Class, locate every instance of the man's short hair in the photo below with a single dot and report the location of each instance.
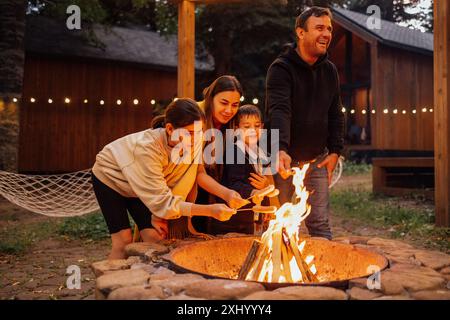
(301, 20)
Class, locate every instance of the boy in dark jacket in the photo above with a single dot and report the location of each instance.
(303, 103)
(245, 173)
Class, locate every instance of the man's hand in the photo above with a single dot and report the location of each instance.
(221, 211)
(234, 199)
(330, 163)
(284, 164)
(160, 225)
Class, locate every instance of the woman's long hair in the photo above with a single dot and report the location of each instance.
(180, 113)
(221, 84)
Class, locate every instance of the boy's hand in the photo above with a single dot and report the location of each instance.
(234, 200)
(221, 211)
(258, 181)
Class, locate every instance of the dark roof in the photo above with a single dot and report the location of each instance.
(390, 33)
(46, 36)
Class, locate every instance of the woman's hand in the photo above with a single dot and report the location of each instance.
(161, 226)
(234, 199)
(221, 211)
(258, 181)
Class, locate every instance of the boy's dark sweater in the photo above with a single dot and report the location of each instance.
(303, 102)
(235, 176)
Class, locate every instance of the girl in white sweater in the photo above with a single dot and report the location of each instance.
(147, 175)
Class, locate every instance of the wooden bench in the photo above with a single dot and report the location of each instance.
(403, 176)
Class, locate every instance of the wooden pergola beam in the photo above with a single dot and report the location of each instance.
(442, 112)
(186, 44)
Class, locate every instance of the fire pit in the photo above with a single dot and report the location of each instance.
(336, 263)
(281, 257)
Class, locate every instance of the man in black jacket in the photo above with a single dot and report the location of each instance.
(303, 103)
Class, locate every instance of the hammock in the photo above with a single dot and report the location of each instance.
(64, 195)
(58, 195)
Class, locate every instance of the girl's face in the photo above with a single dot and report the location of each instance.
(186, 136)
(225, 106)
(250, 127)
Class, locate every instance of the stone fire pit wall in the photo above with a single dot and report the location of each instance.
(413, 274)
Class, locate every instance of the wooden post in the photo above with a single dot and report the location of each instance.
(186, 49)
(442, 112)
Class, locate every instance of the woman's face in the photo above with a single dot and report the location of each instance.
(225, 106)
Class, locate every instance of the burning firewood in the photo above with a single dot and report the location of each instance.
(278, 257)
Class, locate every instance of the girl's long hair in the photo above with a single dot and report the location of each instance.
(180, 113)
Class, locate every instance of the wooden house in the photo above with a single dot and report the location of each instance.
(77, 97)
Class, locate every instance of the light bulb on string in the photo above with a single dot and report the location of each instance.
(255, 101)
(32, 100)
(119, 102)
(135, 101)
(102, 102)
(50, 100)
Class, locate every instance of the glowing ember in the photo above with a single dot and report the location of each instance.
(280, 256)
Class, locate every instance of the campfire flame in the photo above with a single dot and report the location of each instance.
(280, 256)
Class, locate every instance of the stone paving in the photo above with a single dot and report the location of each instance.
(413, 274)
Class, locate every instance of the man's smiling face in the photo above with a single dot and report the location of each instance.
(317, 35)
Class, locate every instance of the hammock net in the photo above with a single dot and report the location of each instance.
(58, 195)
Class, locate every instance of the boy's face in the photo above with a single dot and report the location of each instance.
(250, 127)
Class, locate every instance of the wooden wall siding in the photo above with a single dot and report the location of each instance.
(402, 80)
(61, 137)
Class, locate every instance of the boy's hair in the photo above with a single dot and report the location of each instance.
(247, 111)
(301, 21)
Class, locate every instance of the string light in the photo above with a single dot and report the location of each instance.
(414, 111)
(395, 111)
(424, 109)
(363, 111)
(14, 99)
(385, 111)
(352, 111)
(102, 102)
(85, 101)
(153, 101)
(431, 110)
(343, 110)
(373, 111)
(404, 111)
(32, 100)
(175, 99)
(67, 100)
(135, 101)
(242, 99)
(50, 101)
(119, 102)
(255, 101)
